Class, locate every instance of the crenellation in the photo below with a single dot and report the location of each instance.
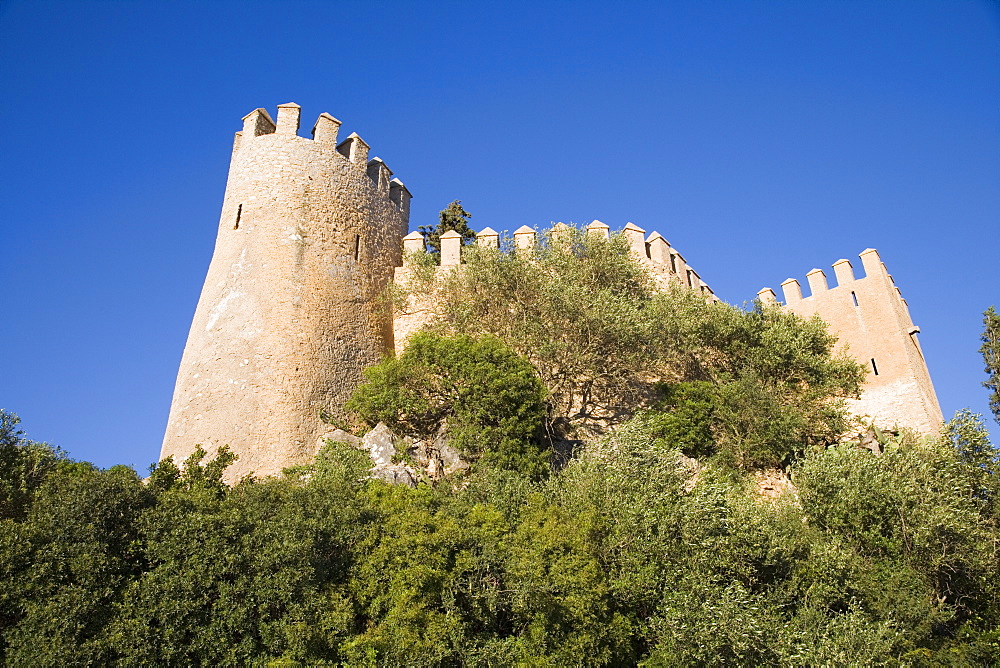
(379, 173)
(662, 258)
(400, 196)
(844, 272)
(355, 150)
(288, 119)
(659, 249)
(488, 237)
(325, 129)
(560, 232)
(258, 122)
(599, 229)
(691, 279)
(413, 243)
(678, 267)
(636, 237)
(451, 249)
(767, 297)
(817, 281)
(792, 291)
(524, 238)
(872, 263)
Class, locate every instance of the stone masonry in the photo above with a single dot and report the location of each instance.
(294, 306)
(872, 322)
(292, 309)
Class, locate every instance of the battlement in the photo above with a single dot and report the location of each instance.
(313, 230)
(258, 123)
(292, 310)
(843, 272)
(665, 262)
(872, 323)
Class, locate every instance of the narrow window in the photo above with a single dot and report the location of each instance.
(874, 368)
(239, 214)
(673, 264)
(357, 247)
(854, 298)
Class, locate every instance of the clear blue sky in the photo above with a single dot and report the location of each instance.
(761, 138)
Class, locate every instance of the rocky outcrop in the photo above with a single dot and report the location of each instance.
(402, 460)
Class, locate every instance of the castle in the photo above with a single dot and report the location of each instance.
(312, 233)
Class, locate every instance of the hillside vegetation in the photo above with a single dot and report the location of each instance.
(654, 480)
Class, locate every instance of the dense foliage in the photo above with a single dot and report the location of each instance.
(606, 343)
(621, 558)
(672, 537)
(484, 398)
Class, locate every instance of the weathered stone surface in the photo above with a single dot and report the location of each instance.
(773, 483)
(451, 459)
(338, 435)
(380, 445)
(291, 311)
(396, 474)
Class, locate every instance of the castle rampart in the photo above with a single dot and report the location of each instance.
(311, 235)
(292, 309)
(666, 265)
(872, 322)
(664, 262)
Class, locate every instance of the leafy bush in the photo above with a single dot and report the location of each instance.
(621, 558)
(605, 343)
(485, 398)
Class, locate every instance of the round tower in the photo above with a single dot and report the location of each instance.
(293, 306)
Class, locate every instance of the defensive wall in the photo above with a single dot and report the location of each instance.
(313, 232)
(291, 311)
(872, 323)
(665, 263)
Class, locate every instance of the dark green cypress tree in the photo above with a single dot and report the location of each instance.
(991, 356)
(452, 217)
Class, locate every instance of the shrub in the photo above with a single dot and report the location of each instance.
(485, 398)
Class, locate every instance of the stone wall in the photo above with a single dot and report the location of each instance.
(665, 263)
(293, 306)
(872, 323)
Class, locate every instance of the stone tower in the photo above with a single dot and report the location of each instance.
(870, 317)
(292, 309)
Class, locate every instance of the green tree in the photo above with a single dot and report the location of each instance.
(451, 218)
(66, 565)
(573, 309)
(24, 465)
(488, 400)
(991, 356)
(920, 537)
(242, 575)
(606, 342)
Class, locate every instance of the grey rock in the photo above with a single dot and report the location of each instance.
(380, 445)
(396, 474)
(451, 458)
(337, 435)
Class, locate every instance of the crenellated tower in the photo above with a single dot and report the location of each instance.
(871, 318)
(292, 309)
